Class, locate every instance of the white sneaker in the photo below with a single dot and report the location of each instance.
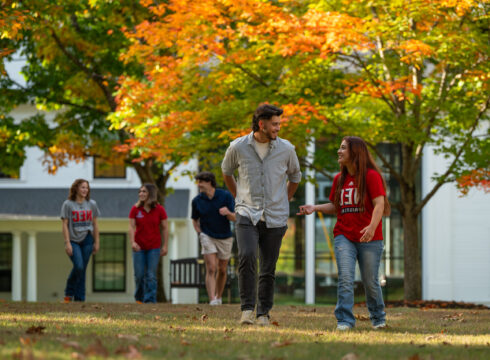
(263, 320)
(379, 326)
(342, 327)
(247, 317)
(220, 301)
(215, 302)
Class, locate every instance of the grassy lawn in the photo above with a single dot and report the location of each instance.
(80, 331)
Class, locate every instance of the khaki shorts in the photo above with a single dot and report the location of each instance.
(210, 245)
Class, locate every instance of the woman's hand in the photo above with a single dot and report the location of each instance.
(96, 248)
(367, 234)
(68, 249)
(163, 250)
(306, 210)
(135, 246)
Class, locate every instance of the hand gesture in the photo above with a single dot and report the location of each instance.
(306, 210)
(224, 211)
(367, 234)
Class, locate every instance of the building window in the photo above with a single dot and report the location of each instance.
(5, 262)
(109, 266)
(106, 170)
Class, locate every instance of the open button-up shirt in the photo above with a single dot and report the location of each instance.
(262, 184)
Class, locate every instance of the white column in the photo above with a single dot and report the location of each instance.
(16, 267)
(31, 267)
(310, 231)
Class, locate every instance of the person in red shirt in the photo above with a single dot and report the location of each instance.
(358, 198)
(147, 226)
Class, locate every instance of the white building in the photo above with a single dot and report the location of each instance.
(455, 240)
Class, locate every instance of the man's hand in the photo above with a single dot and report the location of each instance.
(225, 211)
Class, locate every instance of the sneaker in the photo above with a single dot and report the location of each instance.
(67, 299)
(214, 302)
(263, 320)
(247, 317)
(220, 301)
(343, 327)
(379, 326)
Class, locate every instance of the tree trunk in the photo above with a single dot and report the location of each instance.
(412, 258)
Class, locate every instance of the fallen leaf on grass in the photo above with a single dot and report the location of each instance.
(318, 334)
(77, 355)
(446, 343)
(130, 352)
(204, 317)
(97, 349)
(184, 342)
(23, 355)
(275, 323)
(97, 307)
(414, 357)
(278, 344)
(228, 330)
(350, 356)
(361, 317)
(178, 328)
(27, 341)
(128, 337)
(35, 330)
(73, 345)
(198, 308)
(430, 337)
(157, 317)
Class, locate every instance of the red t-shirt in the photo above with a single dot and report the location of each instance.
(350, 221)
(148, 234)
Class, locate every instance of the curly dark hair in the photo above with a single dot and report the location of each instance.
(264, 112)
(206, 176)
(72, 194)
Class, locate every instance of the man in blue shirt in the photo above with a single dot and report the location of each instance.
(212, 211)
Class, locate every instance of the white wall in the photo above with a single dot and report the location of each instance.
(455, 240)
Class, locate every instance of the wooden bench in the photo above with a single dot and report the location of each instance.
(190, 273)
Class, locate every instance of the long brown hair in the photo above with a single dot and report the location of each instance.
(361, 160)
(152, 195)
(72, 194)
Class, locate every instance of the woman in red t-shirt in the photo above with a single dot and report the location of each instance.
(358, 231)
(147, 225)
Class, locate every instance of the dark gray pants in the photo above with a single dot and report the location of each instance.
(268, 241)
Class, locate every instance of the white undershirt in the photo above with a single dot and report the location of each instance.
(262, 149)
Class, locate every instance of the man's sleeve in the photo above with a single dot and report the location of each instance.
(230, 161)
(293, 171)
(195, 213)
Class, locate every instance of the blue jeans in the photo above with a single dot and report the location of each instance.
(369, 256)
(75, 285)
(145, 264)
